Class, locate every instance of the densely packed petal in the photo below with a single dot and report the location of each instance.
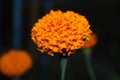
(60, 32)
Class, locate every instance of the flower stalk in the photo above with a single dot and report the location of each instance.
(63, 67)
(16, 78)
(87, 53)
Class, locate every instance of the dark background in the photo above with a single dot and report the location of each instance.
(103, 16)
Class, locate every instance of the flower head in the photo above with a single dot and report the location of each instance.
(61, 32)
(91, 42)
(14, 63)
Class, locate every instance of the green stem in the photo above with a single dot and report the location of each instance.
(87, 54)
(16, 78)
(63, 67)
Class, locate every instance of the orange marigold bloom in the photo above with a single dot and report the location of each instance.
(14, 63)
(91, 42)
(60, 32)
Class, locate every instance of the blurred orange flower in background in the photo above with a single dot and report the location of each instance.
(91, 42)
(60, 32)
(14, 63)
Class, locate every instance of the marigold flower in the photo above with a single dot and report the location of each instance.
(91, 42)
(14, 63)
(60, 32)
